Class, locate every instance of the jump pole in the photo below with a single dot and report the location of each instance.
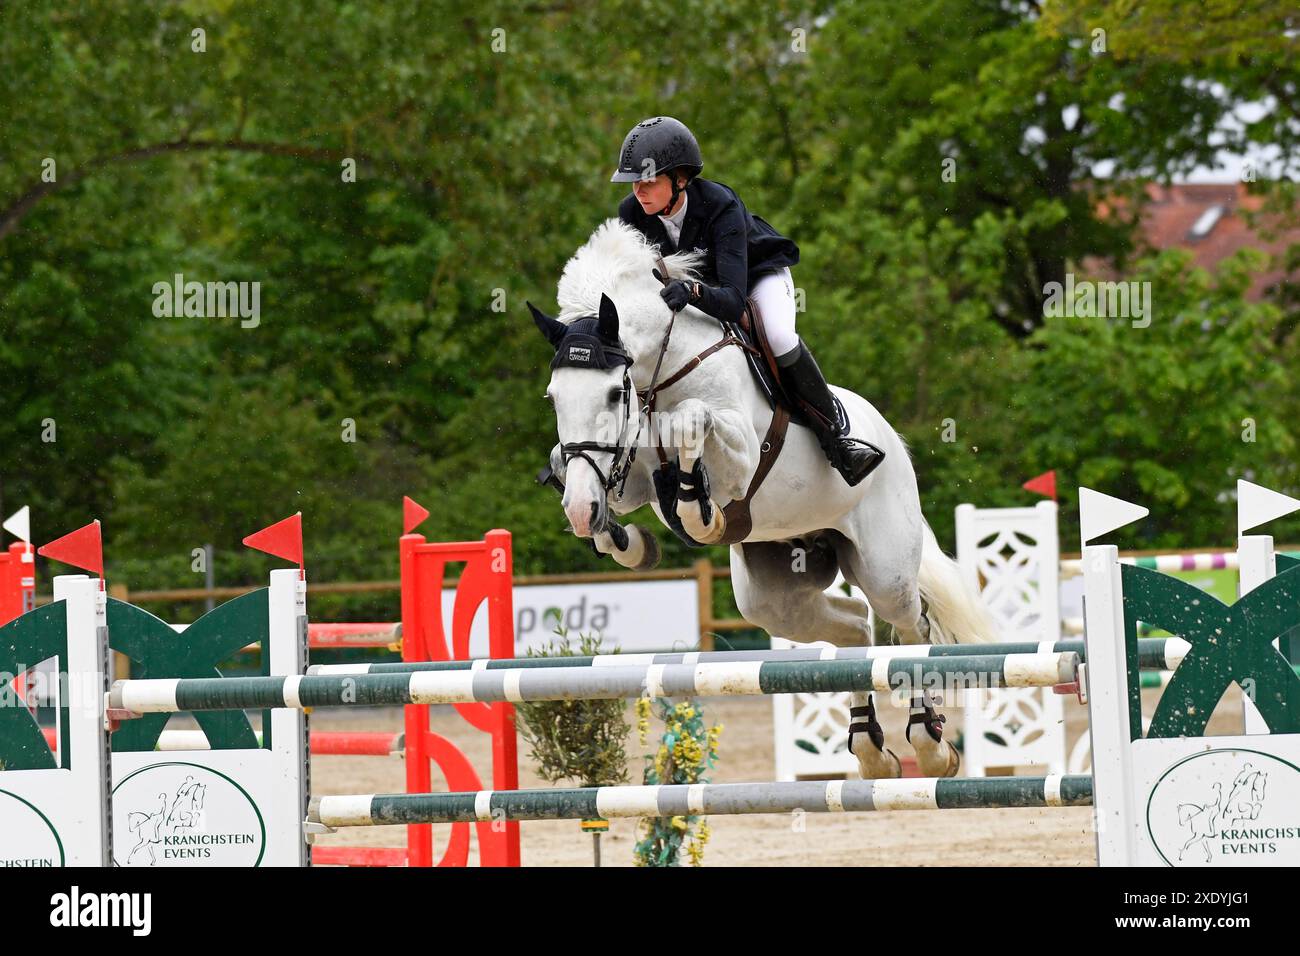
(835, 796)
(1154, 654)
(590, 683)
(323, 743)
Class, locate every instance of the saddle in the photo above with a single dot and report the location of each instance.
(748, 333)
(767, 373)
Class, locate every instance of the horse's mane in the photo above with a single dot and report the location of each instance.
(615, 256)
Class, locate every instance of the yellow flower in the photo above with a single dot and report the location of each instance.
(643, 719)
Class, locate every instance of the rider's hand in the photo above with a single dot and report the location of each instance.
(676, 294)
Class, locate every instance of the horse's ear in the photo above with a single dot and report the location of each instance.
(553, 329)
(607, 326)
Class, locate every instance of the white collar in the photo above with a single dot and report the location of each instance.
(677, 218)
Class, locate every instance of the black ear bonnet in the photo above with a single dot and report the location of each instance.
(582, 347)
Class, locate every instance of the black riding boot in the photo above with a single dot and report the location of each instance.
(853, 458)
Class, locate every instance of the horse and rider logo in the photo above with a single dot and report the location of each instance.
(176, 813)
(180, 812)
(1214, 817)
(1243, 811)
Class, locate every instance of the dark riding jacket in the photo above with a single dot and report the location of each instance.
(739, 247)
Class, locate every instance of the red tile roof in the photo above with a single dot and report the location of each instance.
(1172, 211)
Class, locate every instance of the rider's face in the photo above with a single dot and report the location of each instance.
(653, 194)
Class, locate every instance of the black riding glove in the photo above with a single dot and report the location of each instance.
(676, 294)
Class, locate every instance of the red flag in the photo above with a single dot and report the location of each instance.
(282, 539)
(83, 548)
(1044, 484)
(412, 515)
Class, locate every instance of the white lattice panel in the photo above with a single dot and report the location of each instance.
(1013, 556)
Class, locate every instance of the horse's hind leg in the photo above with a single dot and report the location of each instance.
(885, 563)
(867, 740)
(887, 576)
(781, 587)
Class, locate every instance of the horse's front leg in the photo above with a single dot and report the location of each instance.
(723, 432)
(630, 545)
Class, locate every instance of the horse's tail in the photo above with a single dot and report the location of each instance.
(954, 608)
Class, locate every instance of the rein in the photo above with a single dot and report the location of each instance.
(651, 392)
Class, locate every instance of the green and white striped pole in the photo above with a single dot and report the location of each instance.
(1153, 654)
(594, 683)
(835, 796)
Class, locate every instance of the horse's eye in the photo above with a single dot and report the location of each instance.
(615, 396)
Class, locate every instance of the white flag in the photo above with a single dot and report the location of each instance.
(1100, 514)
(1257, 505)
(19, 524)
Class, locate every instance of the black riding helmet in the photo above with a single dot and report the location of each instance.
(658, 145)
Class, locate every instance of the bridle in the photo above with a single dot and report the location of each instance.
(651, 393)
(624, 455)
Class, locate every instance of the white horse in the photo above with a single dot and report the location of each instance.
(807, 522)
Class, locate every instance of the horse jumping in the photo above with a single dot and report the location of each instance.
(709, 425)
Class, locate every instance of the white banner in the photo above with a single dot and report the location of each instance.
(632, 616)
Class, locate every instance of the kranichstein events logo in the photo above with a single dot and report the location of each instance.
(1231, 807)
(30, 837)
(183, 814)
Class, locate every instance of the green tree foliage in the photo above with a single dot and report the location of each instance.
(482, 139)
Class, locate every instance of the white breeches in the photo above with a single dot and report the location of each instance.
(774, 294)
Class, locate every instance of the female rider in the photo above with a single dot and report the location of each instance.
(673, 208)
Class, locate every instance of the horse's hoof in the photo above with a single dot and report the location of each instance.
(650, 550)
(641, 552)
(932, 763)
(954, 761)
(898, 764)
(709, 532)
(891, 771)
(868, 765)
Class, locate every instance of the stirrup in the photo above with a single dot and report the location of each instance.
(839, 459)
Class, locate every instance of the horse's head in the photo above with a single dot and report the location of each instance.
(596, 410)
(596, 347)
